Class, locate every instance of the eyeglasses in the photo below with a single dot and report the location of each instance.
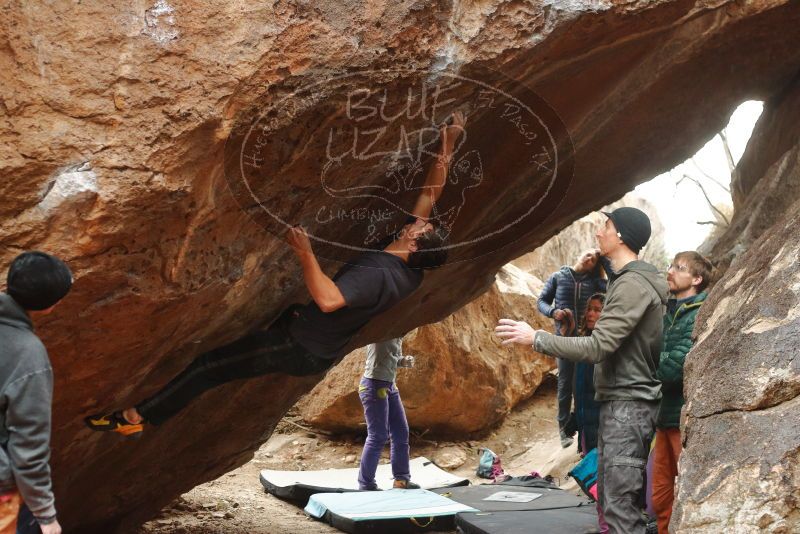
(681, 268)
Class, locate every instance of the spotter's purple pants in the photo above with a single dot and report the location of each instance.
(386, 420)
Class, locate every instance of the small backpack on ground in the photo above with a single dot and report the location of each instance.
(585, 474)
(488, 464)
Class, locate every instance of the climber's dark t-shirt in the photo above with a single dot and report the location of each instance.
(371, 284)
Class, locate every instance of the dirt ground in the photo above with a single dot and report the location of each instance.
(236, 503)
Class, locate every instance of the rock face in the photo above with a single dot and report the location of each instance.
(740, 470)
(464, 381)
(113, 155)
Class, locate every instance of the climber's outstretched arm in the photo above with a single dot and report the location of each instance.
(437, 173)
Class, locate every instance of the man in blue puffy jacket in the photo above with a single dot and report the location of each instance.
(565, 293)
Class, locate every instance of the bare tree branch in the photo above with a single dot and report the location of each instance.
(723, 135)
(708, 200)
(704, 173)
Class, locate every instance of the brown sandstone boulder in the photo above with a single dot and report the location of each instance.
(464, 381)
(115, 118)
(740, 470)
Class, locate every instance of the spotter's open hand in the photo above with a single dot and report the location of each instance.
(511, 331)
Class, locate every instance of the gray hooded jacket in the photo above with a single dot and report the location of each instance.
(26, 393)
(626, 342)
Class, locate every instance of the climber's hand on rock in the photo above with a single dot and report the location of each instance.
(452, 130)
(298, 240)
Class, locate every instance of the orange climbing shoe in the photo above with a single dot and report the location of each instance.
(114, 422)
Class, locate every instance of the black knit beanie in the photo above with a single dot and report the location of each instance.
(36, 281)
(633, 226)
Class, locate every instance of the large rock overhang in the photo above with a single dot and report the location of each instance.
(125, 115)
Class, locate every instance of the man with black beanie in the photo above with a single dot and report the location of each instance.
(625, 347)
(36, 283)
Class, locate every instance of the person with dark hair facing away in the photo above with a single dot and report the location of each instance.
(624, 346)
(307, 340)
(566, 292)
(36, 282)
(688, 277)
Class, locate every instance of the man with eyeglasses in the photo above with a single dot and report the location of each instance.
(687, 277)
(625, 345)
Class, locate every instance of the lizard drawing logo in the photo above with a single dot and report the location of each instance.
(371, 141)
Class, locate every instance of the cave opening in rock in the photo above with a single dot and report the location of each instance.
(690, 205)
(693, 199)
